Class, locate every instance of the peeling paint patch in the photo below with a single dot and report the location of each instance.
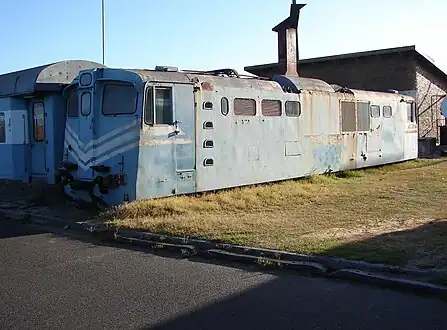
(156, 142)
(327, 157)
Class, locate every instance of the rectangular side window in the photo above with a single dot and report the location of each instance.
(158, 106)
(149, 106)
(348, 120)
(293, 109)
(364, 119)
(375, 111)
(244, 107)
(38, 121)
(86, 103)
(2, 128)
(271, 108)
(411, 112)
(163, 106)
(387, 111)
(73, 109)
(119, 99)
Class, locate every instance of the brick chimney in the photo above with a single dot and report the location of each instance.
(288, 55)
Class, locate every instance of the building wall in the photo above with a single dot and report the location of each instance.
(428, 98)
(380, 73)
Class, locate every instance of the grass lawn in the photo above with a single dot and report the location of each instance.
(396, 214)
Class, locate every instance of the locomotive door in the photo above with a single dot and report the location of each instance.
(167, 140)
(375, 134)
(184, 134)
(38, 141)
(86, 135)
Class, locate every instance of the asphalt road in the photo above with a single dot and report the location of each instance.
(49, 281)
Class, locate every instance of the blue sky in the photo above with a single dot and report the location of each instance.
(206, 34)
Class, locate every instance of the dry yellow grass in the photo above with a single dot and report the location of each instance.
(393, 214)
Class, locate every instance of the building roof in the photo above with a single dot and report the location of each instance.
(42, 78)
(422, 60)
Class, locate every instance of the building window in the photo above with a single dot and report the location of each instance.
(293, 109)
(348, 120)
(364, 119)
(375, 111)
(224, 106)
(39, 121)
(119, 99)
(2, 128)
(387, 111)
(72, 105)
(271, 108)
(244, 107)
(411, 112)
(86, 103)
(158, 107)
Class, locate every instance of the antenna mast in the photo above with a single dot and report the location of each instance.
(102, 22)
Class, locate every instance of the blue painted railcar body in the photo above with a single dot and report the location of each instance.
(32, 120)
(141, 134)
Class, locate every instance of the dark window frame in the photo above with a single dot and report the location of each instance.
(3, 128)
(299, 109)
(371, 111)
(72, 93)
(227, 107)
(204, 105)
(245, 99)
(34, 122)
(82, 103)
(367, 115)
(271, 100)
(411, 113)
(153, 111)
(343, 123)
(387, 107)
(118, 83)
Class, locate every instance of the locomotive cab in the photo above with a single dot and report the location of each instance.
(102, 128)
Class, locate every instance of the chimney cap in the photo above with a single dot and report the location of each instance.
(292, 20)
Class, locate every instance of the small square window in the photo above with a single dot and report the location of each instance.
(387, 111)
(374, 111)
(293, 109)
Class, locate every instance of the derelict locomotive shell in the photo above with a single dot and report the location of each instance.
(168, 133)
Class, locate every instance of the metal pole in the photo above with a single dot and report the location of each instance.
(102, 13)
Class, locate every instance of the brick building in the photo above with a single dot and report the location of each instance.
(403, 69)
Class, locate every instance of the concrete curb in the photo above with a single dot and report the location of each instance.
(330, 267)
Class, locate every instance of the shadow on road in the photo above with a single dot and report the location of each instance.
(424, 246)
(11, 228)
(282, 302)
